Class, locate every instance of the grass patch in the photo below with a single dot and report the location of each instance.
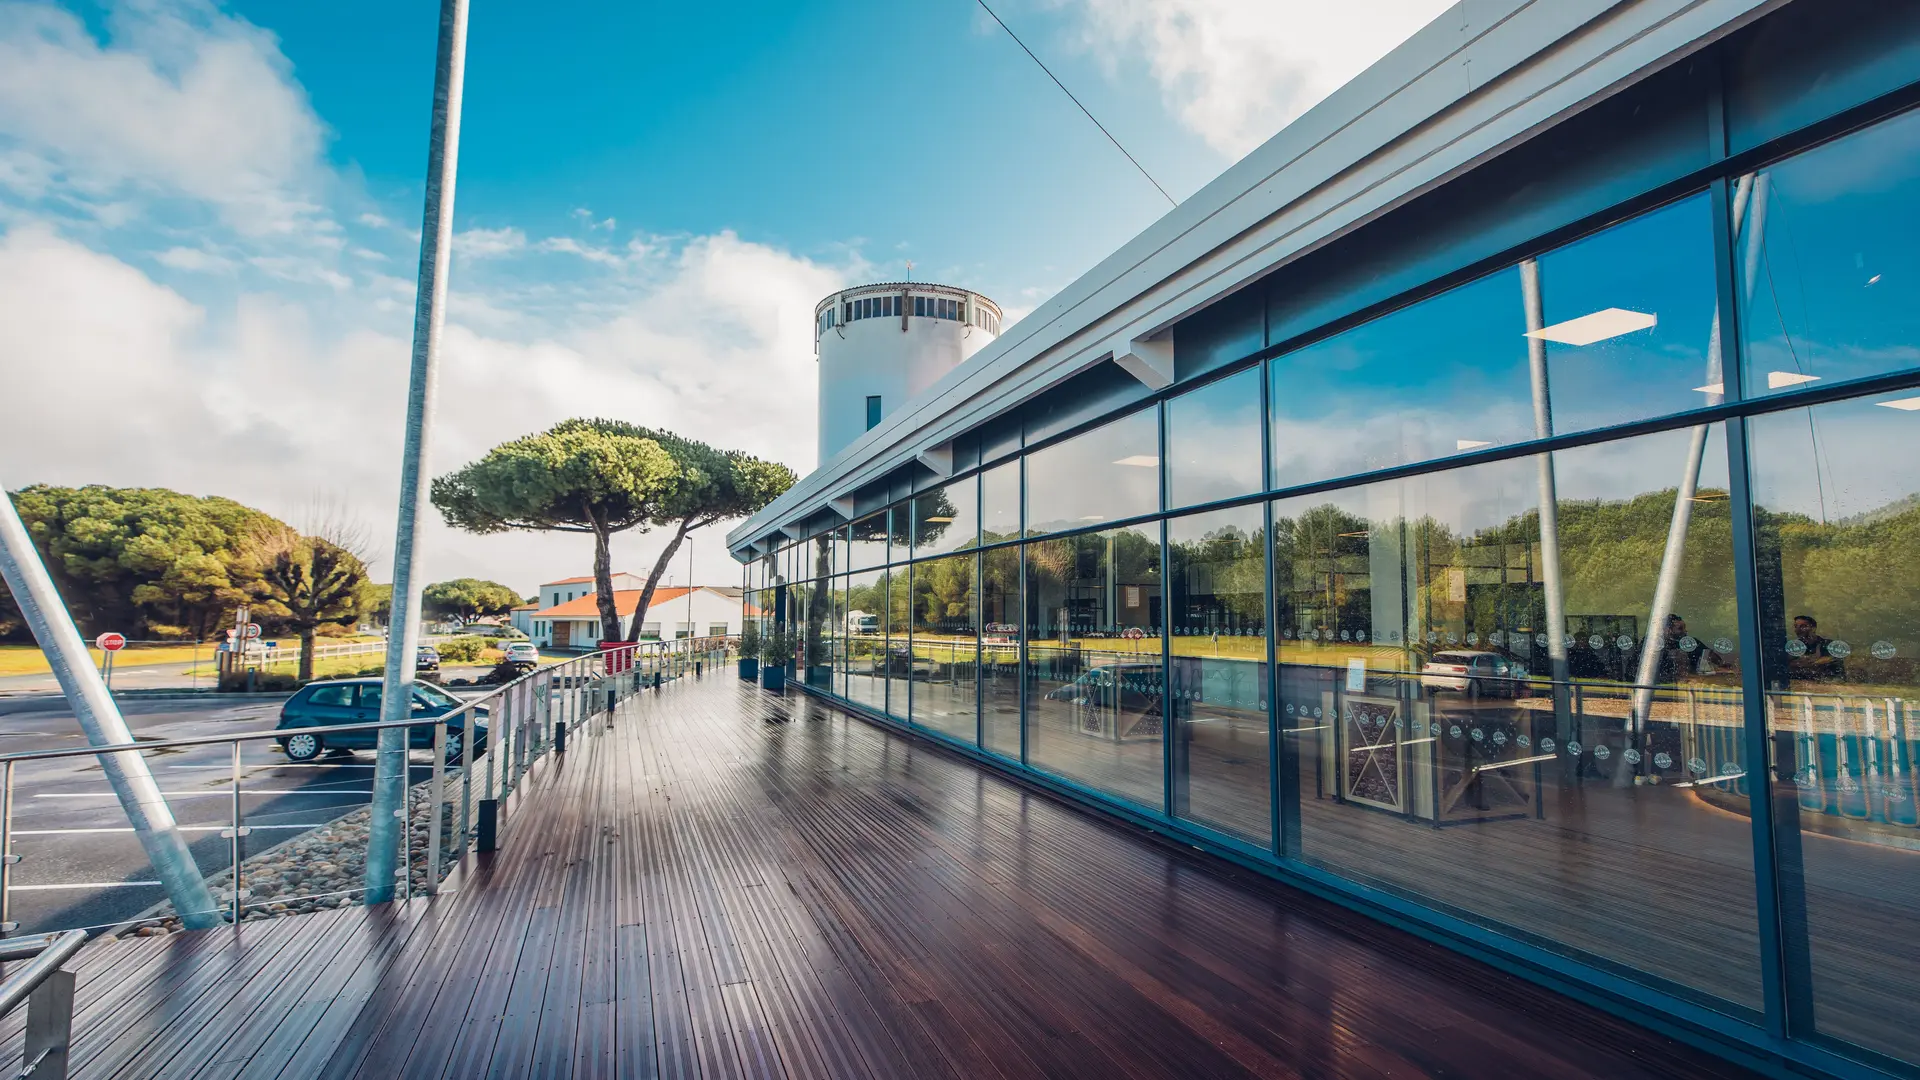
(29, 660)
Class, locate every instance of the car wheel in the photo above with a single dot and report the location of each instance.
(453, 747)
(302, 747)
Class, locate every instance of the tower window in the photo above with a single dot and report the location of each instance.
(873, 411)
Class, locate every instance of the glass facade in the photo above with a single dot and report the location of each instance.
(1553, 605)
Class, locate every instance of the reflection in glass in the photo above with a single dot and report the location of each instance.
(1434, 754)
(944, 657)
(867, 542)
(1105, 474)
(897, 665)
(1828, 265)
(1000, 503)
(1000, 650)
(946, 519)
(1217, 616)
(1614, 327)
(1213, 441)
(1837, 506)
(1093, 675)
(822, 622)
(866, 639)
(836, 633)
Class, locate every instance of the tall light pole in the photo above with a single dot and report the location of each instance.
(387, 831)
(132, 782)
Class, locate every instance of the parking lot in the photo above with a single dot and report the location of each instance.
(80, 863)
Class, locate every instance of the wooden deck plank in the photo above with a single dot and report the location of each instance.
(732, 884)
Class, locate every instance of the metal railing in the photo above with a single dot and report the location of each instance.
(481, 751)
(48, 992)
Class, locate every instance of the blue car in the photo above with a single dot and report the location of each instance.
(357, 701)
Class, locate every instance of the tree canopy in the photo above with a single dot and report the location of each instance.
(604, 477)
(469, 598)
(306, 581)
(147, 562)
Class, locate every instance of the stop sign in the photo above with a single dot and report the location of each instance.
(110, 642)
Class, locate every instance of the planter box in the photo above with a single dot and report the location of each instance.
(749, 668)
(773, 677)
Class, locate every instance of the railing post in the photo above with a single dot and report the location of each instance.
(404, 872)
(234, 832)
(7, 857)
(49, 1028)
(436, 795)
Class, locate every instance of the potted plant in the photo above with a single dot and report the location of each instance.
(750, 650)
(776, 652)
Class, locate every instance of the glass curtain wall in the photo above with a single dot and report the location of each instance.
(1094, 685)
(1519, 684)
(1217, 677)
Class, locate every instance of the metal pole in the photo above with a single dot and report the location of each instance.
(1668, 583)
(437, 794)
(147, 811)
(235, 831)
(7, 858)
(436, 249)
(1556, 604)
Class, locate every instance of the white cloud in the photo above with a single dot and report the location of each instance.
(567, 245)
(1237, 71)
(194, 260)
(182, 101)
(489, 243)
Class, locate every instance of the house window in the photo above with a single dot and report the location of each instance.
(873, 411)
(650, 631)
(718, 629)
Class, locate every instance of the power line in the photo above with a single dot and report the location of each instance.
(1076, 101)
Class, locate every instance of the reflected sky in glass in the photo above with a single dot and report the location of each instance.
(1829, 264)
(1000, 503)
(1624, 332)
(946, 519)
(1105, 474)
(867, 545)
(1213, 441)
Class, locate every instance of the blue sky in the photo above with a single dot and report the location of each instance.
(209, 214)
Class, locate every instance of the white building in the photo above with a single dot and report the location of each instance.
(713, 611)
(521, 618)
(555, 593)
(881, 344)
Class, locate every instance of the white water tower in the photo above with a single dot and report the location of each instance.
(879, 345)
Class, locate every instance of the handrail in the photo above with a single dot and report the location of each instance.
(528, 716)
(48, 992)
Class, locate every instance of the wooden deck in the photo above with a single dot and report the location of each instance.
(734, 884)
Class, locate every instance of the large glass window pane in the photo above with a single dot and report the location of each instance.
(1614, 327)
(947, 519)
(1000, 503)
(1106, 474)
(1094, 684)
(1213, 441)
(899, 659)
(822, 630)
(945, 655)
(1827, 260)
(1000, 650)
(1217, 622)
(1422, 623)
(839, 631)
(867, 542)
(1837, 494)
(867, 639)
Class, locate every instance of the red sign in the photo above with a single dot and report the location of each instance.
(253, 630)
(618, 656)
(110, 642)
(1135, 633)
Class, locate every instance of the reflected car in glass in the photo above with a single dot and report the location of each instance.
(357, 701)
(1480, 674)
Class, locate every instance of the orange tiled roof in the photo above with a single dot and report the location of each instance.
(624, 602)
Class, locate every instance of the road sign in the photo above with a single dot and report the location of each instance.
(110, 642)
(1135, 633)
(253, 630)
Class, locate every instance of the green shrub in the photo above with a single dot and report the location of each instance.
(463, 650)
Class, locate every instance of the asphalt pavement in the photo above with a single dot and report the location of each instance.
(80, 864)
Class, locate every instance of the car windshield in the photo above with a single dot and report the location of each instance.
(433, 695)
